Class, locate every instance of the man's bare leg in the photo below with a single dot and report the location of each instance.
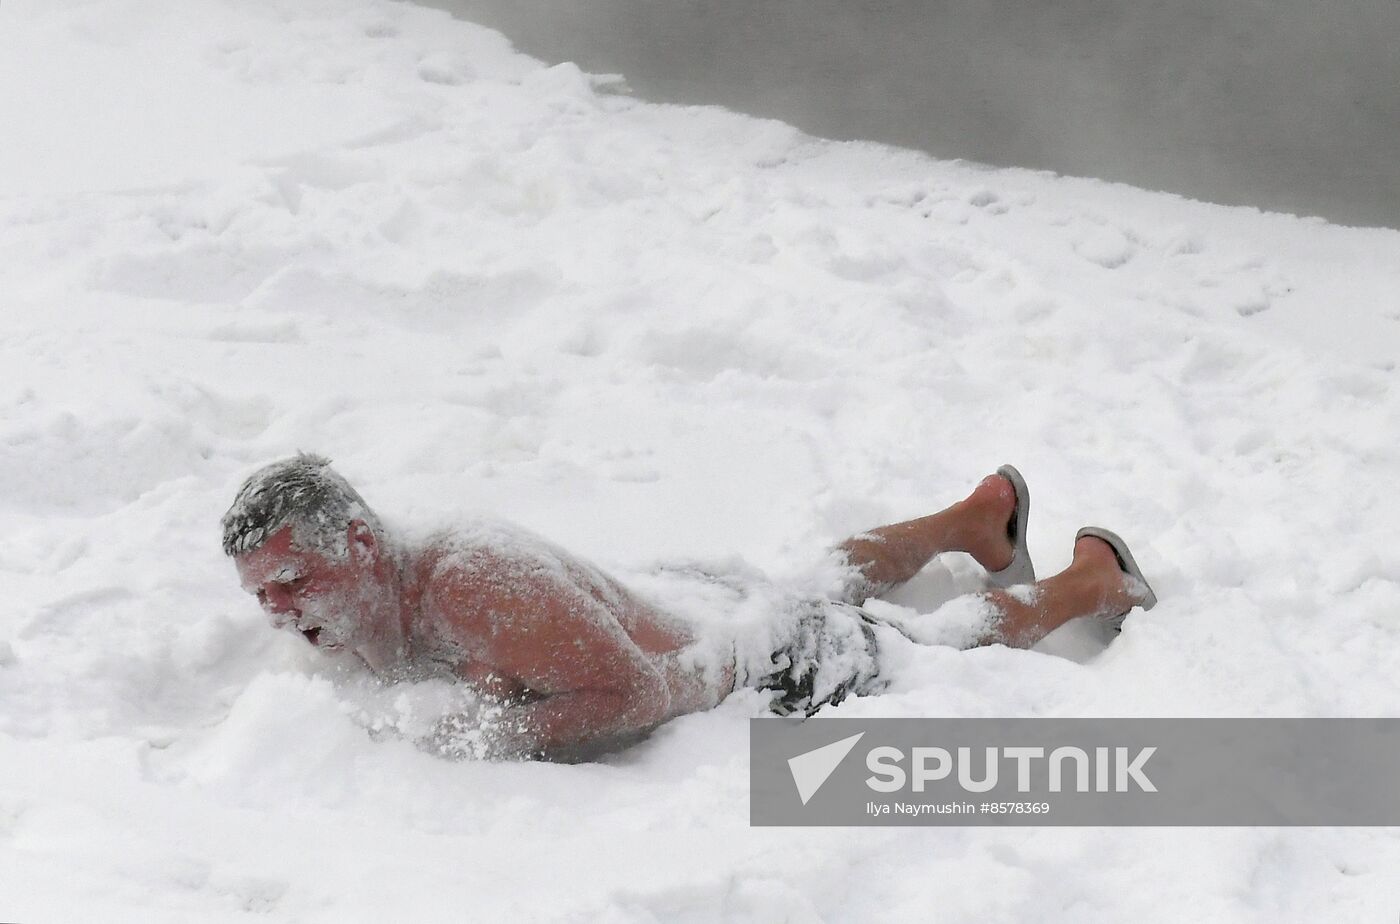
(891, 555)
(1093, 585)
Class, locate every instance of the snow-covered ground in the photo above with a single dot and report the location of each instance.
(230, 229)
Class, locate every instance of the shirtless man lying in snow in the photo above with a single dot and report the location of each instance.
(583, 665)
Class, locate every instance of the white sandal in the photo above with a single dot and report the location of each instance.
(1020, 571)
(1147, 599)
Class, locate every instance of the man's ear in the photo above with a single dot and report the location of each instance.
(362, 543)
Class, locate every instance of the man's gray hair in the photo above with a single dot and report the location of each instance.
(303, 492)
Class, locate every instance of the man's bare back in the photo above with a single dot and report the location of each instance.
(579, 663)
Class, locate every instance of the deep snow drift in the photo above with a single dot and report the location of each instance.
(230, 230)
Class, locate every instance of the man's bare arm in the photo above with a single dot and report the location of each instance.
(587, 683)
(577, 725)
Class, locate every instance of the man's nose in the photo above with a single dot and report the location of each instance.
(277, 600)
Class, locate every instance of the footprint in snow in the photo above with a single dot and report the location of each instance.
(989, 201)
(445, 70)
(1106, 246)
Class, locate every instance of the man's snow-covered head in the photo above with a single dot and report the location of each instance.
(302, 492)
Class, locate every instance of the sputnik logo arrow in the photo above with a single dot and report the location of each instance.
(812, 769)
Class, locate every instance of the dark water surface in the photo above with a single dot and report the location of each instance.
(1292, 105)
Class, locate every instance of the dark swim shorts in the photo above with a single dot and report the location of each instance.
(831, 652)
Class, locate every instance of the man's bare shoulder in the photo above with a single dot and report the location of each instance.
(494, 579)
(482, 564)
(482, 547)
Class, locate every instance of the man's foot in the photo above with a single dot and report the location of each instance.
(1110, 575)
(989, 524)
(1102, 582)
(990, 507)
(999, 507)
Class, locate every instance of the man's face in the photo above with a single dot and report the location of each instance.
(330, 601)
